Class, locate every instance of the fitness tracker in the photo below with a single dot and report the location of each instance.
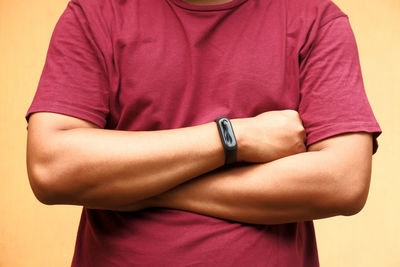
(228, 139)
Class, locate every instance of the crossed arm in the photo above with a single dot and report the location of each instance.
(71, 161)
(321, 183)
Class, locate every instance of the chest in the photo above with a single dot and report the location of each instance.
(176, 72)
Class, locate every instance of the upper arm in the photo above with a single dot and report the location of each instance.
(349, 159)
(48, 121)
(43, 129)
(360, 141)
(333, 99)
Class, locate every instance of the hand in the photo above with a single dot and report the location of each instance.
(269, 136)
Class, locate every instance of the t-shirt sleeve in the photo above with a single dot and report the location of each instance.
(74, 80)
(332, 96)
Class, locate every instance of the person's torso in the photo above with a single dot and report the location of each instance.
(171, 66)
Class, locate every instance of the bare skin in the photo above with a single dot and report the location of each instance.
(331, 179)
(75, 162)
(71, 161)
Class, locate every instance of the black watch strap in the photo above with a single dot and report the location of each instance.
(228, 139)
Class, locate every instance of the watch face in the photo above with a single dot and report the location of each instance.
(227, 133)
(228, 139)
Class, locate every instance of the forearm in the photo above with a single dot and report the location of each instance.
(305, 186)
(71, 161)
(109, 169)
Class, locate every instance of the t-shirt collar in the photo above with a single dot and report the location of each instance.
(217, 7)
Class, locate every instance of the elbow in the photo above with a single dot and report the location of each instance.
(353, 205)
(43, 183)
(353, 196)
(344, 195)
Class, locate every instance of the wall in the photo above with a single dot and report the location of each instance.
(32, 234)
(372, 237)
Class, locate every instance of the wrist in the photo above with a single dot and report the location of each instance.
(228, 139)
(240, 133)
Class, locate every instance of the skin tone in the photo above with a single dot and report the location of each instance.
(71, 161)
(144, 163)
(304, 186)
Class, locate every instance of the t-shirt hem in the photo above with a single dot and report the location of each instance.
(69, 111)
(337, 129)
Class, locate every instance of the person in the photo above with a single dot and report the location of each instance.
(123, 124)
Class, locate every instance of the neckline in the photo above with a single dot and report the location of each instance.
(216, 7)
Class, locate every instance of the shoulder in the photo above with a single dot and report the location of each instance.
(114, 11)
(112, 5)
(312, 12)
(306, 18)
(96, 16)
(93, 6)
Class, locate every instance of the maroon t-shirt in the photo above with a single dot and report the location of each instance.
(162, 64)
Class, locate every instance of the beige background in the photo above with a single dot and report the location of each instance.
(32, 234)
